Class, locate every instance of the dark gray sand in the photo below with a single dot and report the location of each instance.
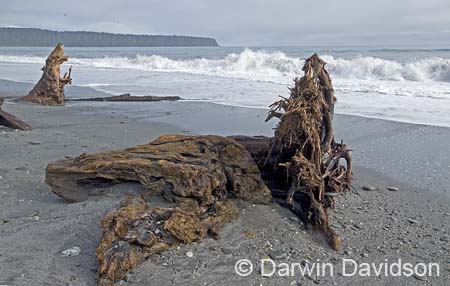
(409, 224)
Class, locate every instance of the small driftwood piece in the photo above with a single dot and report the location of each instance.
(11, 121)
(135, 231)
(200, 175)
(129, 98)
(50, 88)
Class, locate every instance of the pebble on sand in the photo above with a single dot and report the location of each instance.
(369, 188)
(412, 221)
(189, 254)
(279, 254)
(74, 251)
(421, 278)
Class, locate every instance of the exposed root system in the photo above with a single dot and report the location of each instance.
(303, 161)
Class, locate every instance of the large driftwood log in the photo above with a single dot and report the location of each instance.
(199, 174)
(50, 88)
(203, 167)
(129, 98)
(10, 120)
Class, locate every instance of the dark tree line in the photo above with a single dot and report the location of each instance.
(30, 37)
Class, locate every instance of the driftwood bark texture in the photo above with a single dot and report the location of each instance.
(129, 98)
(50, 88)
(135, 231)
(201, 167)
(11, 121)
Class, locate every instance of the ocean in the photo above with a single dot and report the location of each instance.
(401, 84)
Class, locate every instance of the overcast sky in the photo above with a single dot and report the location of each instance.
(246, 22)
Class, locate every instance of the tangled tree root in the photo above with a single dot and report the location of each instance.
(302, 161)
(50, 88)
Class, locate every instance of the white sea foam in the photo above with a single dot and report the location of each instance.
(22, 59)
(266, 66)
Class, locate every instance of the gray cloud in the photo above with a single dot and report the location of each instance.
(246, 22)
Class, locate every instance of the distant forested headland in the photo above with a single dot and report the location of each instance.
(30, 37)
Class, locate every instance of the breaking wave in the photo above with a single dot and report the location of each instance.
(262, 65)
(428, 69)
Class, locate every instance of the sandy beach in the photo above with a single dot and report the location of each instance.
(36, 226)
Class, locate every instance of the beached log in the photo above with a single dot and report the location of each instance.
(128, 98)
(200, 175)
(186, 166)
(50, 88)
(11, 121)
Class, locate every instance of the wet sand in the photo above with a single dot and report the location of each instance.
(36, 226)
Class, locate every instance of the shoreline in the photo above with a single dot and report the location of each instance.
(11, 89)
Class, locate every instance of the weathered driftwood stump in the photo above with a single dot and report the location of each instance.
(50, 88)
(199, 174)
(10, 121)
(302, 161)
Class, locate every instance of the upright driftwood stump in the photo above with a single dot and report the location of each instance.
(302, 163)
(303, 157)
(50, 88)
(10, 120)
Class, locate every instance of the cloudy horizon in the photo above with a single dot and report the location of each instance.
(272, 22)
